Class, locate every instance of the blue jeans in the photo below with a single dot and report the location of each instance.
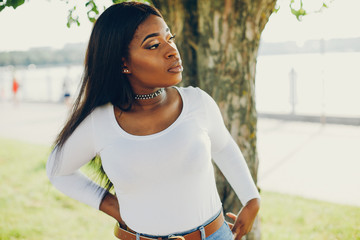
(223, 233)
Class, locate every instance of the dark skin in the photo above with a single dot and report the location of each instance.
(244, 220)
(154, 62)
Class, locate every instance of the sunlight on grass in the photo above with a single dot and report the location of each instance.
(32, 209)
(291, 217)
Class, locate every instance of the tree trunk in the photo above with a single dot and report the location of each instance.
(219, 43)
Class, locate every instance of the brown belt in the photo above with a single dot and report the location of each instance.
(196, 235)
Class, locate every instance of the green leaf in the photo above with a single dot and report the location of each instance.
(299, 13)
(93, 12)
(277, 8)
(14, 3)
(71, 18)
(118, 1)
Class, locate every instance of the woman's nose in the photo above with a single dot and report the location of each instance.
(172, 51)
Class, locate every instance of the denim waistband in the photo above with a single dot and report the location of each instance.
(185, 232)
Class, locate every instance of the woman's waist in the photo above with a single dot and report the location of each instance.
(161, 220)
(211, 225)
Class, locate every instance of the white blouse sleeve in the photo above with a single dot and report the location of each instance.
(227, 155)
(63, 166)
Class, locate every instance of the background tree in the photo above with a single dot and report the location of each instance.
(219, 42)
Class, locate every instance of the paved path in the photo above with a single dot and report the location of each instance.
(32, 122)
(307, 159)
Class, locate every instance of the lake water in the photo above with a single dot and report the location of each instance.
(321, 83)
(43, 84)
(325, 84)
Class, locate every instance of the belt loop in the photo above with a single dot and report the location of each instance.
(202, 232)
(137, 236)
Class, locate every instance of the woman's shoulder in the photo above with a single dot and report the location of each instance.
(191, 91)
(101, 112)
(103, 124)
(102, 109)
(97, 115)
(196, 93)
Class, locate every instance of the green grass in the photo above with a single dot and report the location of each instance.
(290, 217)
(31, 209)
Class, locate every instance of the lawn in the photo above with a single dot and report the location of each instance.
(31, 209)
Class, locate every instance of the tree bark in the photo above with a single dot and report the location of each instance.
(219, 43)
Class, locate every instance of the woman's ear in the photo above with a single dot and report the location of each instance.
(124, 67)
(125, 70)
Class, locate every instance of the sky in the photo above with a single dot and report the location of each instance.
(340, 20)
(40, 23)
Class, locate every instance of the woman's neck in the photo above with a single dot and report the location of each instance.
(150, 104)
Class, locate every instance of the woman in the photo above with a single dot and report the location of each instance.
(155, 140)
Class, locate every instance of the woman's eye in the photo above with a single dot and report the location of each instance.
(172, 38)
(154, 46)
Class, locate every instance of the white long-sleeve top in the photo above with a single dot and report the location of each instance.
(165, 181)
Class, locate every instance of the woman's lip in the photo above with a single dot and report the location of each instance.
(176, 69)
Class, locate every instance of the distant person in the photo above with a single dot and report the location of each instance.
(66, 89)
(155, 140)
(15, 89)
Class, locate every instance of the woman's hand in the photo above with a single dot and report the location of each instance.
(244, 220)
(110, 206)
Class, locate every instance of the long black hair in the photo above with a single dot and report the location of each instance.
(103, 80)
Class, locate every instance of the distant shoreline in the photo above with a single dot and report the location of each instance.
(74, 54)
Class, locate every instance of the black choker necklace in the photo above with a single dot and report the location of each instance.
(149, 96)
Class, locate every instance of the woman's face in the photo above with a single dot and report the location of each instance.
(154, 60)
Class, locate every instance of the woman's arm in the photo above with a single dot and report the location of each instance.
(244, 220)
(63, 166)
(228, 157)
